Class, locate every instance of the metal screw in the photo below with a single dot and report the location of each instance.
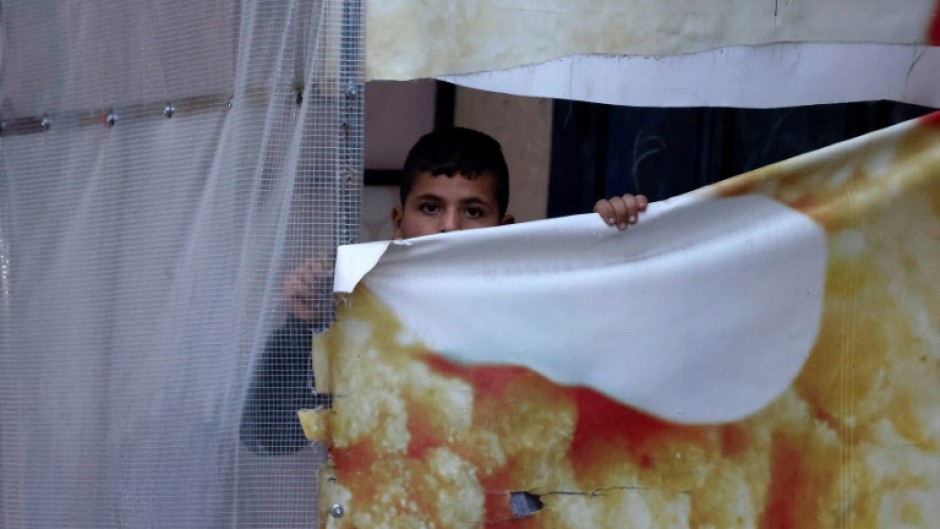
(349, 177)
(337, 511)
(351, 91)
(45, 123)
(111, 119)
(230, 102)
(168, 110)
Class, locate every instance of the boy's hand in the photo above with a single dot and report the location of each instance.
(308, 289)
(621, 211)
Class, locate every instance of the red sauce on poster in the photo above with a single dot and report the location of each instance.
(933, 34)
(932, 119)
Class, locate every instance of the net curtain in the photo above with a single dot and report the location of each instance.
(162, 164)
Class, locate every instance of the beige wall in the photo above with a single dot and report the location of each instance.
(523, 126)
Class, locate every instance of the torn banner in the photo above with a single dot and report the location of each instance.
(422, 38)
(739, 53)
(760, 353)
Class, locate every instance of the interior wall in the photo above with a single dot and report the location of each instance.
(523, 125)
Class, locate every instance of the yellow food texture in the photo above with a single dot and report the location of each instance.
(315, 424)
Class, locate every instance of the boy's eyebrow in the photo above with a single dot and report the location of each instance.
(428, 196)
(468, 200)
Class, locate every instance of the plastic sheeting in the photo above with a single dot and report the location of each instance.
(163, 163)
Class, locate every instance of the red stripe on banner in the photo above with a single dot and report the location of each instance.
(933, 34)
(932, 119)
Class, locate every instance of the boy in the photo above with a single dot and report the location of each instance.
(453, 179)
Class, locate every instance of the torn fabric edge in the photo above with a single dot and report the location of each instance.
(766, 76)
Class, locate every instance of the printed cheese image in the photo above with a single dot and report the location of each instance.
(833, 421)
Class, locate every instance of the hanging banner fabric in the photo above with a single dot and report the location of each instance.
(732, 53)
(759, 353)
(767, 76)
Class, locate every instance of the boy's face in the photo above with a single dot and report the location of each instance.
(438, 204)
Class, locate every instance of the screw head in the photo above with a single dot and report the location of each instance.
(168, 110)
(111, 118)
(337, 511)
(45, 123)
(351, 91)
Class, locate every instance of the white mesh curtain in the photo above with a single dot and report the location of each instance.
(163, 165)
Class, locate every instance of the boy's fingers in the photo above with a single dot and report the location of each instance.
(301, 301)
(295, 282)
(633, 208)
(318, 267)
(297, 292)
(606, 211)
(621, 211)
(306, 285)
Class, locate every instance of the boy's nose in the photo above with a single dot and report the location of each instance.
(450, 221)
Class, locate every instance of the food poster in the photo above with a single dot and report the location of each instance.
(762, 353)
(412, 39)
(737, 53)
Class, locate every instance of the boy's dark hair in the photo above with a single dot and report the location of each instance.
(458, 150)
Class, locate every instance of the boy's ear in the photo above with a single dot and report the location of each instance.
(507, 219)
(397, 215)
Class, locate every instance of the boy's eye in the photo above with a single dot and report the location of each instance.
(474, 213)
(429, 208)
